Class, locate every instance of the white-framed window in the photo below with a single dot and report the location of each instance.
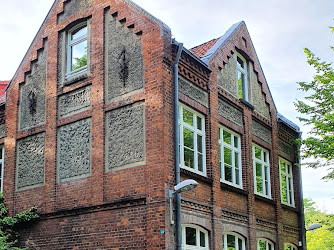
(192, 140)
(194, 238)
(286, 181)
(242, 77)
(261, 171)
(2, 158)
(233, 241)
(77, 50)
(289, 246)
(264, 244)
(230, 157)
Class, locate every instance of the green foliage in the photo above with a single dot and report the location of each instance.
(322, 238)
(8, 236)
(318, 110)
(79, 62)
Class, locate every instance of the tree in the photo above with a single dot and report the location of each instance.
(319, 111)
(8, 235)
(322, 238)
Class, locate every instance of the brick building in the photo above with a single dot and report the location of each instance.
(88, 137)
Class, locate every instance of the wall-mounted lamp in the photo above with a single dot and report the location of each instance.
(183, 186)
(313, 226)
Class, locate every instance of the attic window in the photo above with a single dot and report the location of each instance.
(77, 50)
(242, 78)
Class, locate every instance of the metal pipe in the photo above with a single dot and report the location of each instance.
(176, 143)
(301, 202)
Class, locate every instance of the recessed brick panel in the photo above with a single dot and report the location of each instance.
(230, 113)
(125, 140)
(73, 6)
(30, 162)
(32, 94)
(261, 131)
(189, 89)
(124, 59)
(74, 150)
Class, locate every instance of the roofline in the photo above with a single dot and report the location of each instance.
(286, 121)
(33, 40)
(197, 59)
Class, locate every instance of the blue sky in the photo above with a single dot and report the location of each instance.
(279, 29)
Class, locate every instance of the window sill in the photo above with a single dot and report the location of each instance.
(265, 199)
(224, 185)
(195, 176)
(247, 104)
(290, 207)
(72, 79)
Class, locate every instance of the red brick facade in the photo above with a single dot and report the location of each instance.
(128, 208)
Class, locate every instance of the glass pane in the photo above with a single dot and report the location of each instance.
(1, 149)
(190, 236)
(267, 187)
(188, 117)
(240, 243)
(199, 143)
(230, 242)
(270, 247)
(259, 187)
(240, 84)
(202, 239)
(258, 170)
(237, 177)
(79, 55)
(262, 245)
(264, 156)
(283, 186)
(188, 138)
(289, 169)
(236, 142)
(282, 164)
(290, 197)
(227, 137)
(200, 162)
(189, 158)
(199, 123)
(228, 173)
(236, 159)
(266, 173)
(240, 63)
(80, 32)
(228, 156)
(257, 153)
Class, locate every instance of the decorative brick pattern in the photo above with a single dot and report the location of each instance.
(195, 93)
(227, 76)
(74, 102)
(32, 94)
(73, 6)
(125, 140)
(261, 131)
(124, 59)
(230, 113)
(30, 162)
(286, 148)
(74, 150)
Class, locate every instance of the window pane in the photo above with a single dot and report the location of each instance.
(240, 83)
(259, 187)
(228, 173)
(199, 123)
(258, 170)
(79, 55)
(227, 137)
(262, 245)
(237, 176)
(190, 236)
(187, 117)
(270, 247)
(267, 187)
(257, 153)
(202, 239)
(230, 242)
(240, 63)
(264, 156)
(1, 149)
(282, 164)
(189, 158)
(240, 243)
(199, 143)
(227, 156)
(266, 173)
(79, 33)
(188, 138)
(236, 142)
(200, 162)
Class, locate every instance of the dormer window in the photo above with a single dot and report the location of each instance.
(77, 50)
(242, 77)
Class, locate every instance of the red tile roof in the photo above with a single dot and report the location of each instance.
(200, 50)
(3, 86)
